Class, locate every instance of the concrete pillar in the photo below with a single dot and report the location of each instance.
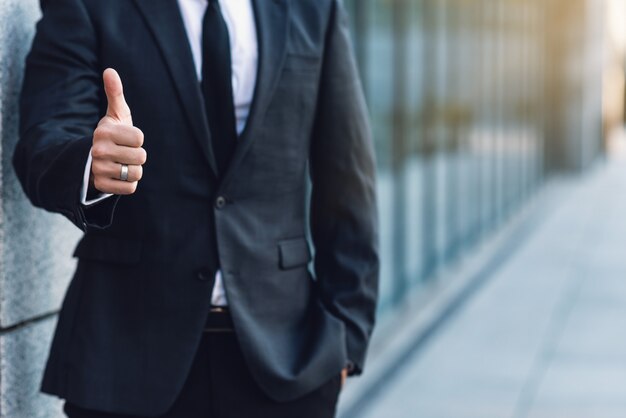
(574, 83)
(35, 246)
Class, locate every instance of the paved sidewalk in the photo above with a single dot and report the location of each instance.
(546, 336)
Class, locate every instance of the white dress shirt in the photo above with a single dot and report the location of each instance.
(239, 18)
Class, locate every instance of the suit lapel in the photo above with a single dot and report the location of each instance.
(272, 18)
(164, 20)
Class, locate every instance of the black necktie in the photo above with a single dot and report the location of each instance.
(216, 85)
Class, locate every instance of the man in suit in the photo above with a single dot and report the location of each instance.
(203, 147)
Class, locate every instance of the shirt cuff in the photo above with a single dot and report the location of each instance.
(83, 190)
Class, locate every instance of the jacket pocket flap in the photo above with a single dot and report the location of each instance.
(293, 253)
(108, 249)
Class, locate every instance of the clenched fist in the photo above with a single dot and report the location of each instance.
(116, 142)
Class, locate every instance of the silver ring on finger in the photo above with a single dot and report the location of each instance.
(124, 173)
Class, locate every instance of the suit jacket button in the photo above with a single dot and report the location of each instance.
(220, 202)
(203, 275)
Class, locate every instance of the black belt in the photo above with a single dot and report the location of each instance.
(219, 320)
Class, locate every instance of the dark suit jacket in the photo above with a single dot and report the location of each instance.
(303, 175)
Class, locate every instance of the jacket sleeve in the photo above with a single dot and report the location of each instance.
(344, 219)
(59, 110)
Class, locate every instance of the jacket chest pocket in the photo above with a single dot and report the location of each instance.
(301, 63)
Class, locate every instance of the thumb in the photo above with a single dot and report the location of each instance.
(117, 107)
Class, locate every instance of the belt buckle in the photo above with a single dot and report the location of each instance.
(221, 310)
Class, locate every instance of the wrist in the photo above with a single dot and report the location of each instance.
(349, 366)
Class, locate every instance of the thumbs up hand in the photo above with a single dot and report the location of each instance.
(116, 142)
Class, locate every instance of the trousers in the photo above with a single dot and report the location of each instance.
(219, 385)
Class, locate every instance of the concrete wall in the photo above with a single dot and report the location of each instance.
(35, 246)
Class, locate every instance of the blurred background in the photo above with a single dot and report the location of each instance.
(498, 126)
(500, 143)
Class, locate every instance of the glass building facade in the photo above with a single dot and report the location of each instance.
(466, 114)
